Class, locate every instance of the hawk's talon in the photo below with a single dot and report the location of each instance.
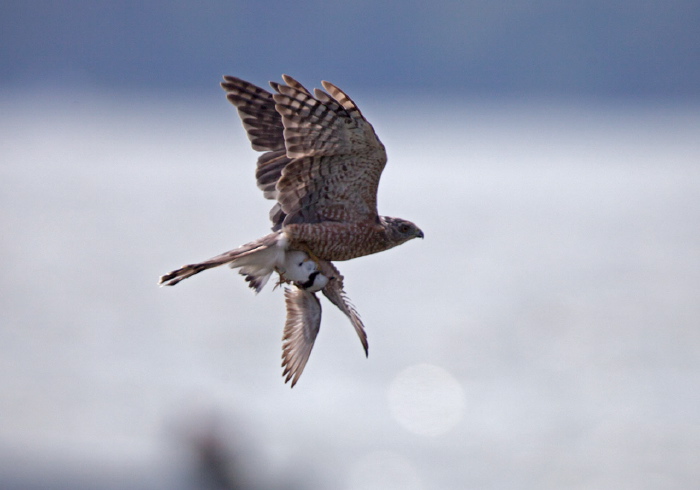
(281, 279)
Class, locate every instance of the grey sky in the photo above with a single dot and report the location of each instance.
(538, 48)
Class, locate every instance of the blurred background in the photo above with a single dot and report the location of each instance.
(545, 334)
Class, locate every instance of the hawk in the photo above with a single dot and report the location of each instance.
(321, 165)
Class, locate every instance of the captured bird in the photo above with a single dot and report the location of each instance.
(321, 165)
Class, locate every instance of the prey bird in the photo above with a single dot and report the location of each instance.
(321, 165)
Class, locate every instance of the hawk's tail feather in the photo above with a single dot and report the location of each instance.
(172, 278)
(257, 261)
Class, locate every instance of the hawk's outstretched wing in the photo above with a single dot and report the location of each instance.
(256, 108)
(338, 158)
(323, 160)
(265, 130)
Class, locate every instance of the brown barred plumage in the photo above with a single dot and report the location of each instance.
(321, 166)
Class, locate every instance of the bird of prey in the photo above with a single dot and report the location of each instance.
(321, 165)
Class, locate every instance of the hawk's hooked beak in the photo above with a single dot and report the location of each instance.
(419, 234)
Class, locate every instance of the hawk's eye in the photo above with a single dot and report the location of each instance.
(404, 228)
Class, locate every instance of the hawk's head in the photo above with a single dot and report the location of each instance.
(400, 230)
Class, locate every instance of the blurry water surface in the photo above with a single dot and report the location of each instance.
(545, 334)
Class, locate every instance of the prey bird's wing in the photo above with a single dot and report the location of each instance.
(335, 293)
(300, 331)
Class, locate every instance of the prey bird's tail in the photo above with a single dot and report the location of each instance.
(257, 260)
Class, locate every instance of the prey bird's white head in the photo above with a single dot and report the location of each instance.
(302, 271)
